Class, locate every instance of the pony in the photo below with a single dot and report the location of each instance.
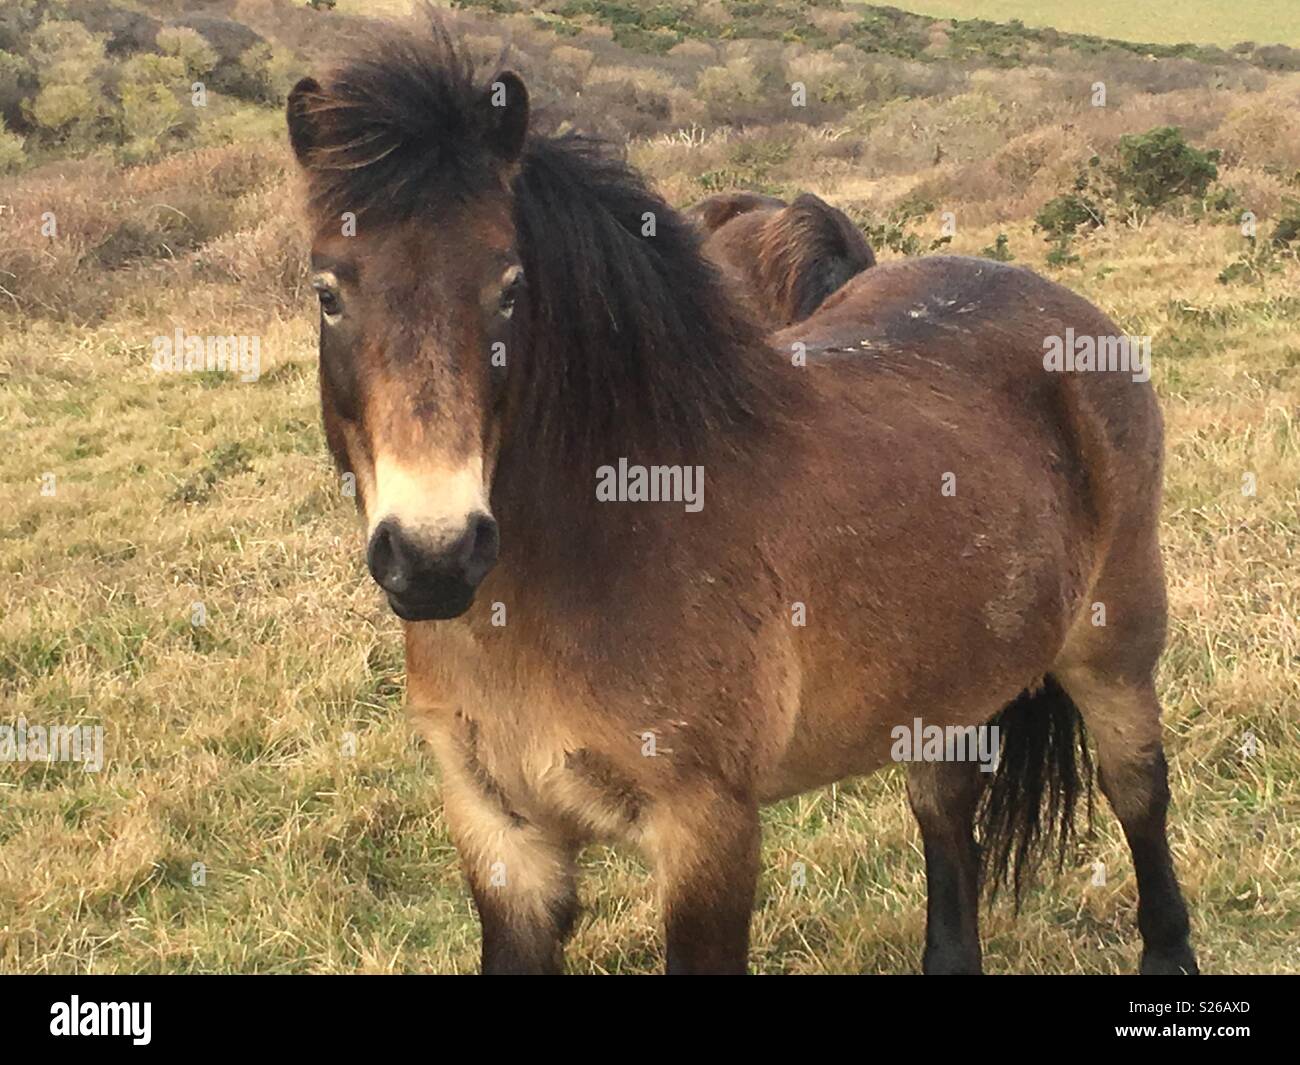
(788, 256)
(903, 514)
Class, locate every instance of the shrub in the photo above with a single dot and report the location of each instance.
(723, 87)
(66, 112)
(827, 80)
(1287, 231)
(1264, 132)
(1264, 257)
(700, 51)
(190, 47)
(12, 155)
(152, 69)
(1060, 255)
(1158, 166)
(124, 32)
(150, 113)
(893, 233)
(17, 82)
(571, 65)
(70, 103)
(1151, 171)
(1278, 57)
(999, 250)
(270, 74)
(1065, 215)
(233, 43)
(63, 51)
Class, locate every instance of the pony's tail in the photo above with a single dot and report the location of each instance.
(1028, 809)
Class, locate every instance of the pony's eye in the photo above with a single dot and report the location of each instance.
(512, 284)
(329, 297)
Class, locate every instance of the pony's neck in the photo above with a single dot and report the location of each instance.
(630, 347)
(629, 341)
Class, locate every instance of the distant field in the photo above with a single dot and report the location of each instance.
(1163, 21)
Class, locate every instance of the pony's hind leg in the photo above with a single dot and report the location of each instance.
(1123, 716)
(944, 796)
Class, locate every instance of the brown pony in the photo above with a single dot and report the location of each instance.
(531, 369)
(787, 257)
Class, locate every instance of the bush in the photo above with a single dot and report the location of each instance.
(150, 112)
(152, 69)
(893, 233)
(270, 74)
(570, 66)
(721, 88)
(1065, 215)
(124, 32)
(1287, 231)
(1159, 166)
(190, 47)
(12, 155)
(1278, 57)
(66, 112)
(70, 104)
(233, 43)
(1264, 257)
(826, 80)
(1151, 171)
(17, 82)
(61, 51)
(999, 250)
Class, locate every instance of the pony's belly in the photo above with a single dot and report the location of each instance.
(841, 732)
(797, 776)
(832, 739)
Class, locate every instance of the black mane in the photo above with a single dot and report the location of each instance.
(399, 126)
(630, 341)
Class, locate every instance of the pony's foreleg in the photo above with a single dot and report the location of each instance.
(943, 797)
(1124, 719)
(705, 850)
(523, 881)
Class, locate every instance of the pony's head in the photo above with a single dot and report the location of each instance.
(409, 164)
(501, 313)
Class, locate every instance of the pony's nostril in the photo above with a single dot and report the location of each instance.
(405, 567)
(384, 559)
(483, 542)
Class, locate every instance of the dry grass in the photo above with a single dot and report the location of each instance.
(229, 744)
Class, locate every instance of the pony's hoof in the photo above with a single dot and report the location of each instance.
(1179, 961)
(950, 963)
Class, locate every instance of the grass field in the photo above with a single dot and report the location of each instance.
(262, 806)
(1165, 21)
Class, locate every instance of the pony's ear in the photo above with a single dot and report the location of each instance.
(303, 133)
(507, 104)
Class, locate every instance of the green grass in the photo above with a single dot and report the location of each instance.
(1164, 21)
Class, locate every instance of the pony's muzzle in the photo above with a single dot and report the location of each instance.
(427, 580)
